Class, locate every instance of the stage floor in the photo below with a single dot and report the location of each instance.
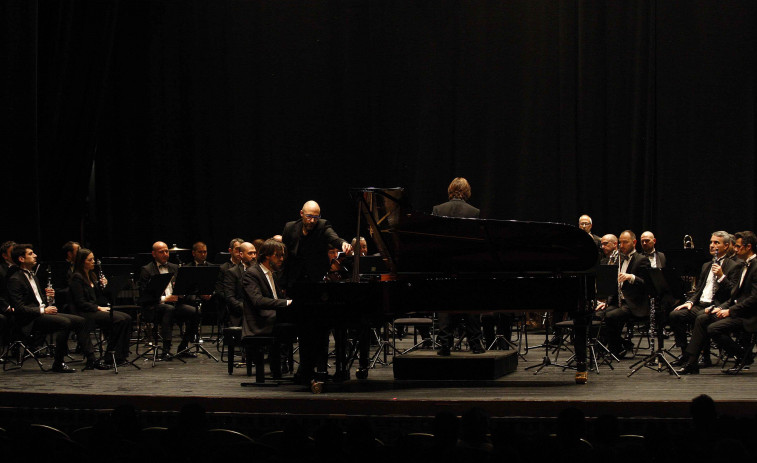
(169, 385)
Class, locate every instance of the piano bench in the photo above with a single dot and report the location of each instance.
(253, 347)
(232, 336)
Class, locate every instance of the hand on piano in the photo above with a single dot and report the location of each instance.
(346, 247)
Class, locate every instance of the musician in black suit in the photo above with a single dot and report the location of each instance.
(223, 311)
(608, 245)
(459, 192)
(32, 313)
(165, 308)
(585, 223)
(5, 264)
(263, 298)
(233, 292)
(717, 279)
(737, 315)
(307, 241)
(62, 273)
(89, 302)
(631, 299)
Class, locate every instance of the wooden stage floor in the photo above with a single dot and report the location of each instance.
(170, 385)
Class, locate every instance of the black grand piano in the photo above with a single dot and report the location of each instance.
(436, 264)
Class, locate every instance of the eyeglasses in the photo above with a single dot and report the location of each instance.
(311, 216)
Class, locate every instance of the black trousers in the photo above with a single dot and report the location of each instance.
(679, 322)
(615, 318)
(720, 331)
(61, 326)
(3, 330)
(167, 314)
(118, 332)
(449, 321)
(497, 324)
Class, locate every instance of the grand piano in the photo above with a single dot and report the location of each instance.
(435, 264)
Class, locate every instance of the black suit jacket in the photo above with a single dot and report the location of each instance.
(732, 272)
(4, 271)
(456, 208)
(21, 297)
(311, 262)
(660, 258)
(84, 297)
(149, 270)
(233, 293)
(635, 294)
(259, 313)
(743, 301)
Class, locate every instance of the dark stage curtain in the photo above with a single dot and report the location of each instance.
(209, 120)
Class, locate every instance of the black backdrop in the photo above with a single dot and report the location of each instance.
(208, 120)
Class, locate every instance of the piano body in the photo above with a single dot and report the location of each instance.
(436, 264)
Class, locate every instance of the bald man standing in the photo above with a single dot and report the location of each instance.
(307, 241)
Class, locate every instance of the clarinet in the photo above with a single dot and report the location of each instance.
(50, 299)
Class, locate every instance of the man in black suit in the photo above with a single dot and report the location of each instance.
(585, 223)
(165, 308)
(307, 241)
(234, 258)
(5, 265)
(715, 283)
(631, 299)
(32, 313)
(233, 292)
(459, 192)
(737, 315)
(648, 242)
(608, 245)
(263, 297)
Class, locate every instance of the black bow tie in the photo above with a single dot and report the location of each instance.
(649, 254)
(625, 257)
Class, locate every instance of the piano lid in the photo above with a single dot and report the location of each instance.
(427, 243)
(424, 243)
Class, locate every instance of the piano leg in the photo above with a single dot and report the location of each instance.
(581, 324)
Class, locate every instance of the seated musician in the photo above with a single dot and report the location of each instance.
(263, 297)
(62, 275)
(631, 299)
(220, 300)
(167, 307)
(608, 244)
(89, 302)
(199, 259)
(32, 311)
(717, 279)
(458, 192)
(233, 292)
(307, 241)
(5, 309)
(735, 316)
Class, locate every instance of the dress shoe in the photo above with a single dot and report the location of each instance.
(165, 357)
(477, 348)
(682, 361)
(187, 355)
(705, 362)
(689, 369)
(60, 367)
(443, 351)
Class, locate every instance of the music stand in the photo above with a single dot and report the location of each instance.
(156, 286)
(656, 287)
(115, 285)
(195, 281)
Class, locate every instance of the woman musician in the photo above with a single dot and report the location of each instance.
(88, 301)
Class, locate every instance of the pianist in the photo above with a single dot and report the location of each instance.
(307, 240)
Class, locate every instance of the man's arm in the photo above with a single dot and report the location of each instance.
(234, 302)
(251, 285)
(17, 295)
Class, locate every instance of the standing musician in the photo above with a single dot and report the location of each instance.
(459, 192)
(716, 281)
(33, 310)
(263, 297)
(585, 223)
(89, 302)
(307, 241)
(737, 314)
(631, 298)
(165, 308)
